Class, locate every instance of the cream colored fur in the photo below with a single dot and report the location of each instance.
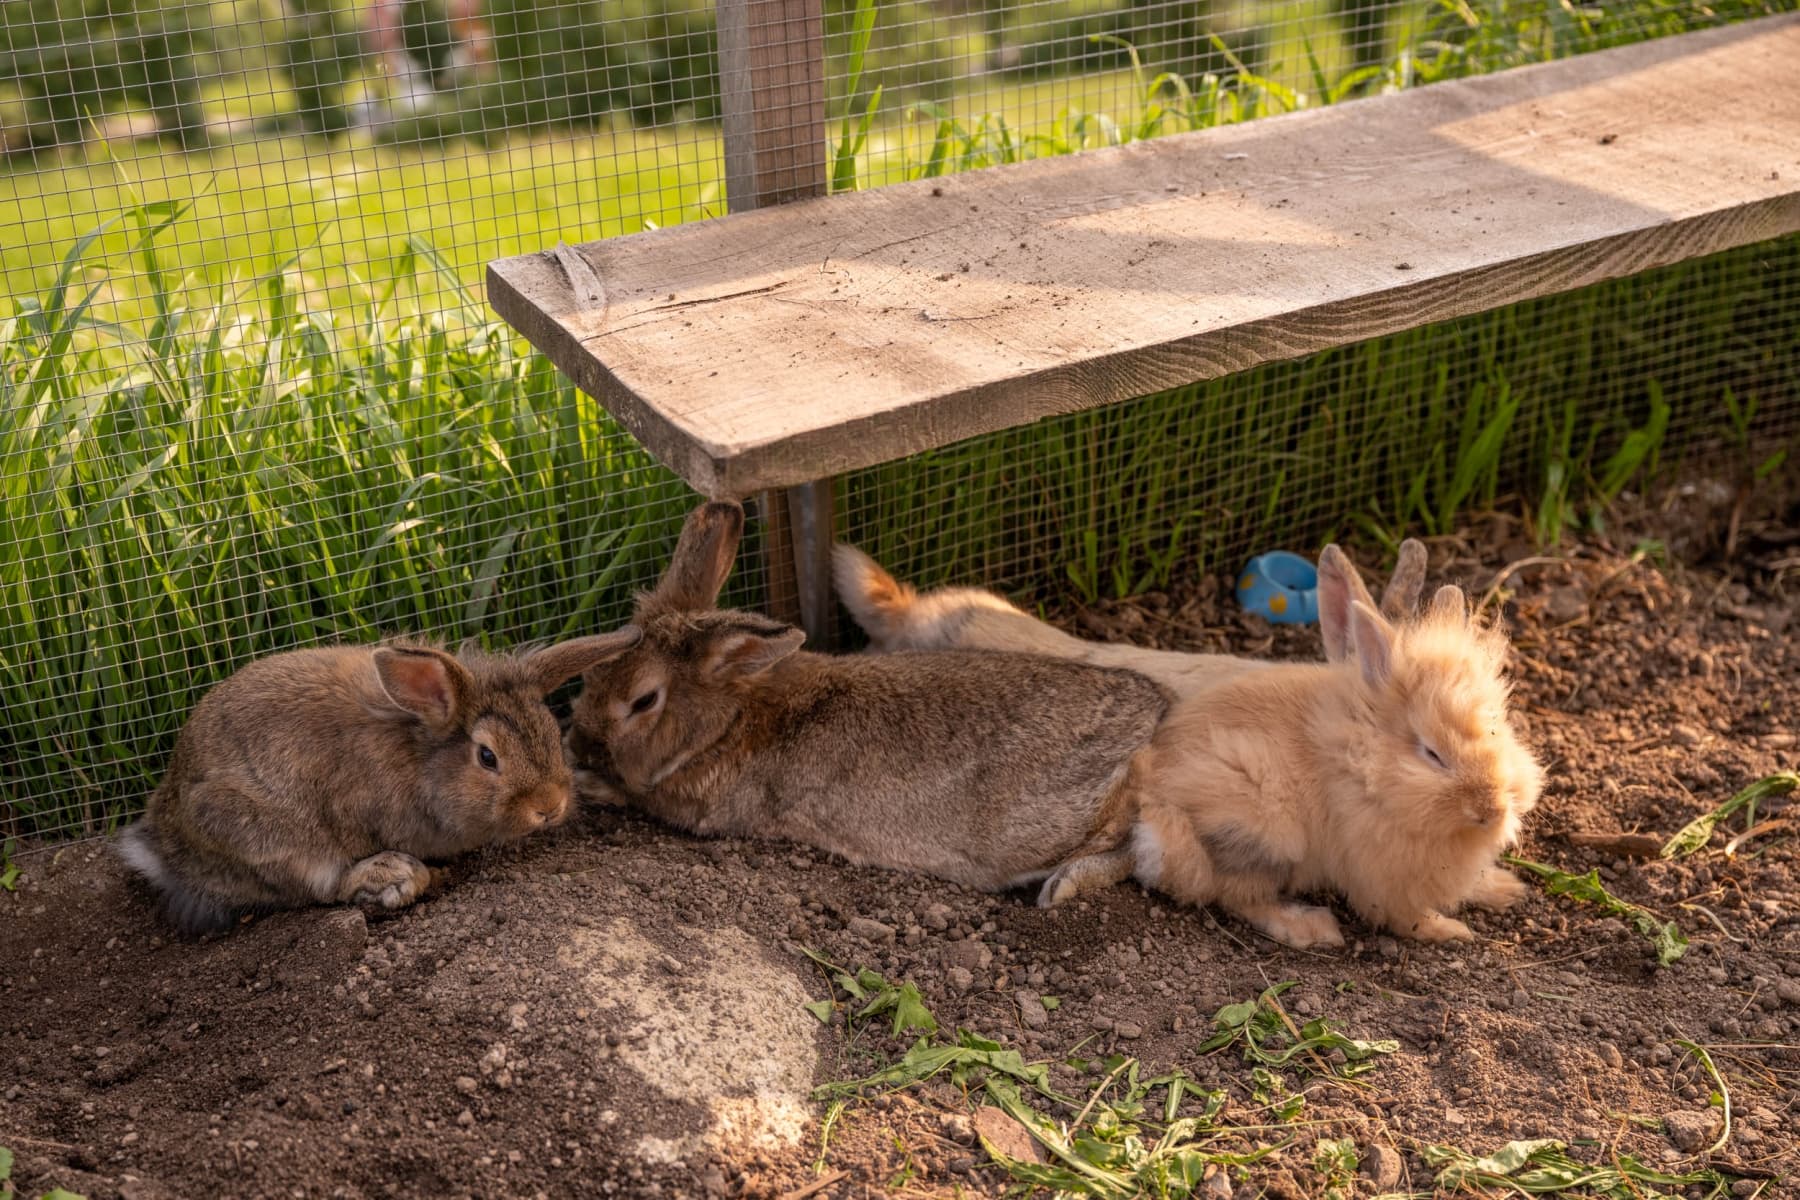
(1313, 777)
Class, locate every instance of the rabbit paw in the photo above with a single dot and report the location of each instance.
(1087, 874)
(1497, 889)
(389, 879)
(1302, 926)
(1436, 928)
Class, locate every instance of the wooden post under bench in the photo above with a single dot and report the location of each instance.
(772, 96)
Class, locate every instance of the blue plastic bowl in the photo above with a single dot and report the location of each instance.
(1281, 587)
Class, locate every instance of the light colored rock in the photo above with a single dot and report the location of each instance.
(1031, 1009)
(1691, 1131)
(871, 931)
(968, 954)
(1381, 1165)
(1003, 1136)
(743, 1051)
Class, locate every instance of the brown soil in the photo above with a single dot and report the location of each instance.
(571, 1016)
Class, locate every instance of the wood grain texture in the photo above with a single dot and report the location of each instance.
(780, 346)
(772, 97)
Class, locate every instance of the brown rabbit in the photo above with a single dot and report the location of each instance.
(896, 616)
(323, 776)
(1272, 778)
(1392, 776)
(991, 770)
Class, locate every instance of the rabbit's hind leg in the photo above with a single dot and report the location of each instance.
(1087, 873)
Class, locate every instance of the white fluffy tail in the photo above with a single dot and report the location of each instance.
(137, 846)
(191, 911)
(881, 604)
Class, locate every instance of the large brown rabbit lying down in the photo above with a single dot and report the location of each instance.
(990, 769)
(1390, 773)
(324, 776)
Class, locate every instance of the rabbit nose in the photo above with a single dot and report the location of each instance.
(553, 806)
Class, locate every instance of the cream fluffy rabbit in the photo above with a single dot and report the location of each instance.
(1392, 776)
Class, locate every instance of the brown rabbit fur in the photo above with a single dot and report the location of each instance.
(323, 776)
(1392, 776)
(991, 770)
(897, 616)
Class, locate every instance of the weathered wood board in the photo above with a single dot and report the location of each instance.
(773, 347)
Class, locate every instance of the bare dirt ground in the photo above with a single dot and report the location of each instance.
(619, 1010)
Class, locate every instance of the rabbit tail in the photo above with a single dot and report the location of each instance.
(190, 910)
(885, 608)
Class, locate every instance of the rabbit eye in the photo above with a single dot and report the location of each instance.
(1433, 757)
(485, 756)
(644, 702)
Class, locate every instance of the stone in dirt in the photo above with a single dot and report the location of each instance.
(1381, 1165)
(970, 955)
(1031, 1009)
(1691, 1131)
(695, 1045)
(873, 932)
(1005, 1136)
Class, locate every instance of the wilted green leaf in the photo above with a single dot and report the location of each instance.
(1698, 832)
(1664, 936)
(822, 1010)
(1543, 1167)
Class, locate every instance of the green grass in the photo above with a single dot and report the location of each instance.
(347, 213)
(247, 402)
(1379, 437)
(244, 475)
(1130, 1135)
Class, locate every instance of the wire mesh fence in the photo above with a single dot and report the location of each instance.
(250, 398)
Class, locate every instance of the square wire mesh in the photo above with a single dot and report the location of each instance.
(250, 397)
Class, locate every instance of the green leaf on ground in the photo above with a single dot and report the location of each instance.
(1696, 833)
(1664, 936)
(1543, 1167)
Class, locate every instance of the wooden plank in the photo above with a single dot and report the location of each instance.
(781, 346)
(772, 96)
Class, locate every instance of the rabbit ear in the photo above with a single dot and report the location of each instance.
(748, 646)
(702, 558)
(1401, 599)
(429, 684)
(554, 665)
(1449, 603)
(1339, 587)
(1372, 641)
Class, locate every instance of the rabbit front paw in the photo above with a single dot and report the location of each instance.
(1436, 928)
(388, 880)
(1302, 926)
(1497, 889)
